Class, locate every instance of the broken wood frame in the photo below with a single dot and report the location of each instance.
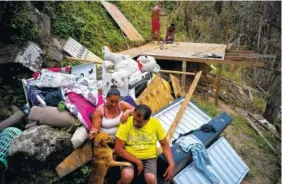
(184, 105)
(256, 129)
(208, 61)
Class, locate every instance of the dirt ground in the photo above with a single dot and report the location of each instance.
(265, 167)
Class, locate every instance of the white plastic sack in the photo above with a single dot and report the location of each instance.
(79, 137)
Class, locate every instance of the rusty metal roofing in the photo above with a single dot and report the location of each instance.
(226, 165)
(122, 22)
(192, 118)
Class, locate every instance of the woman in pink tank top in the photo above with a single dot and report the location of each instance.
(107, 116)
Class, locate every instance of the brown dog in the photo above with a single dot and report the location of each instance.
(102, 158)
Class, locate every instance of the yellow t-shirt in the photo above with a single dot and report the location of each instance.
(141, 142)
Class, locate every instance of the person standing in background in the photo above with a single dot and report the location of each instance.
(156, 25)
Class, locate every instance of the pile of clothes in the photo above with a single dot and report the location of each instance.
(69, 99)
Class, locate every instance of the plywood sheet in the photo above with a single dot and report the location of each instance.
(122, 22)
(175, 84)
(76, 159)
(189, 50)
(156, 95)
(178, 49)
(133, 52)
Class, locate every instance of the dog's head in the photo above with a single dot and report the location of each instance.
(103, 139)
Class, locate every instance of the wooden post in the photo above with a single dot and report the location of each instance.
(184, 105)
(218, 83)
(84, 60)
(183, 76)
(177, 72)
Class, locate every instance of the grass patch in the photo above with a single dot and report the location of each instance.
(231, 72)
(259, 103)
(208, 107)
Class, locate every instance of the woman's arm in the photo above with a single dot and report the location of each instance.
(96, 122)
(127, 110)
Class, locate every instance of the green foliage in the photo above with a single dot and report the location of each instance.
(138, 14)
(259, 103)
(24, 29)
(16, 25)
(88, 23)
(61, 106)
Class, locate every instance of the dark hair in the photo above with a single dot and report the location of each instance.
(113, 91)
(172, 25)
(144, 110)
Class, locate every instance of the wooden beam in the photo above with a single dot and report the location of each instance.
(239, 57)
(218, 83)
(237, 47)
(177, 72)
(83, 60)
(247, 56)
(184, 105)
(76, 159)
(240, 52)
(175, 85)
(183, 83)
(255, 128)
(209, 61)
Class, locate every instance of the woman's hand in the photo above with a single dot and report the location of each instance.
(124, 117)
(92, 133)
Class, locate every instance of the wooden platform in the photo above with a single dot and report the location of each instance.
(178, 49)
(188, 52)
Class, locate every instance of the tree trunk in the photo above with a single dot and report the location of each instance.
(273, 107)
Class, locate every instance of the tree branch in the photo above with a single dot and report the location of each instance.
(273, 25)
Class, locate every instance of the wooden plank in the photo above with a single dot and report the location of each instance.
(237, 47)
(83, 60)
(184, 49)
(76, 159)
(250, 55)
(186, 101)
(243, 113)
(240, 52)
(175, 85)
(240, 57)
(137, 51)
(218, 83)
(265, 124)
(122, 22)
(177, 72)
(183, 81)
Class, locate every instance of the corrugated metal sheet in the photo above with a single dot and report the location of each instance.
(192, 118)
(123, 23)
(226, 165)
(75, 49)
